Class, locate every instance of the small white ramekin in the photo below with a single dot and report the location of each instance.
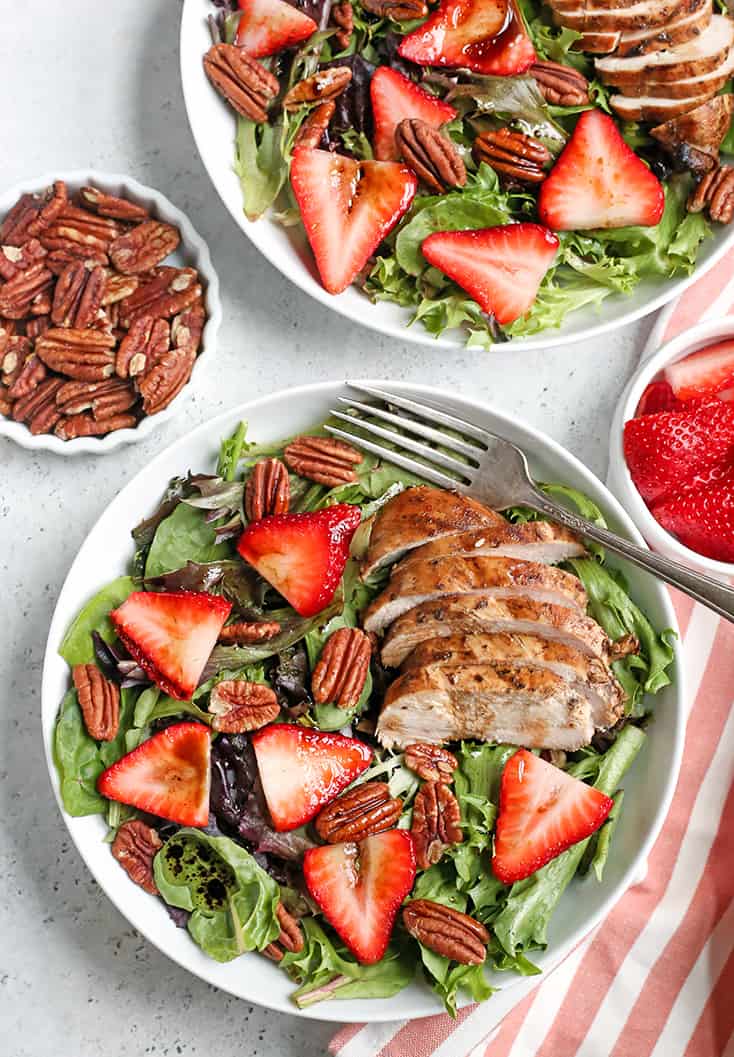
(620, 481)
(192, 252)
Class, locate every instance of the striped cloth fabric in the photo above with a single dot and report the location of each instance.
(656, 978)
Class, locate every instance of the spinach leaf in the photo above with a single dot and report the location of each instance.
(76, 646)
(77, 760)
(183, 537)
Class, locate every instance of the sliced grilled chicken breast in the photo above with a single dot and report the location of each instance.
(417, 516)
(472, 614)
(598, 43)
(654, 107)
(677, 31)
(709, 83)
(490, 577)
(695, 58)
(540, 541)
(532, 707)
(643, 15)
(590, 675)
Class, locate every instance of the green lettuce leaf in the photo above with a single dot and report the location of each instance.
(76, 646)
(78, 761)
(183, 537)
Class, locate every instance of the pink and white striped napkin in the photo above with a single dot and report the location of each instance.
(656, 978)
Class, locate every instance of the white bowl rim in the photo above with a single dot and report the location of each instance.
(415, 334)
(688, 341)
(331, 1011)
(192, 241)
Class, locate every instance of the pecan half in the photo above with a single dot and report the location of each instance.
(144, 247)
(99, 700)
(322, 459)
(85, 425)
(111, 396)
(38, 409)
(84, 355)
(268, 490)
(243, 82)
(714, 193)
(342, 669)
(188, 326)
(145, 343)
(119, 287)
(239, 706)
(432, 763)
(396, 10)
(17, 295)
(436, 823)
(160, 385)
(342, 15)
(315, 124)
(358, 813)
(164, 293)
(513, 155)
(111, 206)
(560, 85)
(78, 296)
(135, 847)
(25, 367)
(246, 632)
(52, 206)
(431, 156)
(324, 84)
(32, 214)
(290, 938)
(448, 932)
(15, 259)
(63, 252)
(78, 227)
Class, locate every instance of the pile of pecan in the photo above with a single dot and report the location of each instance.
(95, 331)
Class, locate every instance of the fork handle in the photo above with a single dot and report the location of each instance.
(703, 589)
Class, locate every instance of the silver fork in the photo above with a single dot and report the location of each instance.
(495, 472)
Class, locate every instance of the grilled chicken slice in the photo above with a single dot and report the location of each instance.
(646, 14)
(479, 615)
(418, 515)
(695, 138)
(517, 705)
(589, 675)
(598, 43)
(708, 83)
(540, 541)
(696, 58)
(677, 31)
(487, 577)
(654, 107)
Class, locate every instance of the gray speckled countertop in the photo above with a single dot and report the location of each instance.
(97, 84)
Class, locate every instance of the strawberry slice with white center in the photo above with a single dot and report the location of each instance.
(347, 208)
(395, 98)
(542, 812)
(487, 36)
(171, 634)
(705, 373)
(501, 268)
(302, 555)
(302, 769)
(168, 775)
(359, 888)
(267, 26)
(599, 182)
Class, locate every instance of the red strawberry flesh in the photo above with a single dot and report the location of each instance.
(542, 812)
(395, 98)
(167, 776)
(171, 634)
(301, 770)
(268, 26)
(359, 888)
(658, 396)
(705, 373)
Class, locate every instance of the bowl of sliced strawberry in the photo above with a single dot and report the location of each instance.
(672, 448)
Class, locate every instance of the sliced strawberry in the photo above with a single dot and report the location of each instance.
(168, 775)
(542, 812)
(360, 887)
(599, 182)
(347, 208)
(658, 396)
(501, 268)
(487, 36)
(704, 373)
(302, 769)
(267, 26)
(702, 517)
(394, 98)
(666, 450)
(171, 634)
(302, 555)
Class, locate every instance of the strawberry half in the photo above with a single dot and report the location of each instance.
(542, 812)
(267, 26)
(171, 634)
(302, 769)
(347, 208)
(705, 373)
(702, 517)
(302, 555)
(501, 268)
(168, 775)
(672, 448)
(487, 36)
(360, 887)
(599, 182)
(394, 98)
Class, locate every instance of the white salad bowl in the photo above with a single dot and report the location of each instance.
(213, 126)
(192, 252)
(107, 553)
(619, 478)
